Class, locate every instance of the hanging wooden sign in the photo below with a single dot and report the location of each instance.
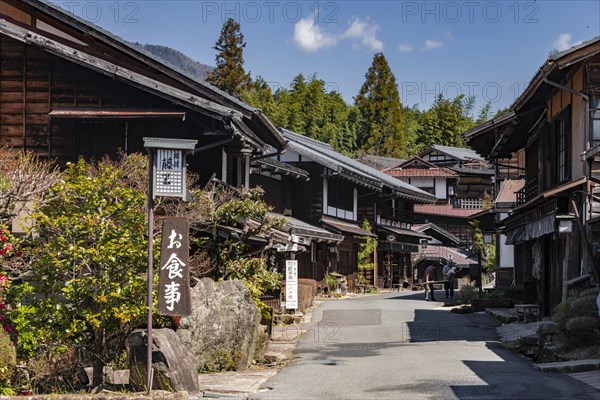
(174, 278)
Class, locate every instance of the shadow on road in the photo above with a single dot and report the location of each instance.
(441, 325)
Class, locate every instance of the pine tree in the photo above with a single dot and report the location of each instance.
(229, 74)
(380, 130)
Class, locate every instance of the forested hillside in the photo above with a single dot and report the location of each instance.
(178, 59)
(377, 123)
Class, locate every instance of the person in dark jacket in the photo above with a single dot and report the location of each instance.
(448, 274)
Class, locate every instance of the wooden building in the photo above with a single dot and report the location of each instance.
(309, 244)
(69, 89)
(554, 127)
(343, 192)
(465, 193)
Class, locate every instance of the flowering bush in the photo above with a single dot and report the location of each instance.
(7, 249)
(6, 308)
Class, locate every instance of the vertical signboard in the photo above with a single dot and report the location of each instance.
(174, 278)
(170, 174)
(291, 284)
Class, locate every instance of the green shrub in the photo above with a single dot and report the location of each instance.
(331, 282)
(589, 292)
(8, 354)
(54, 373)
(224, 359)
(583, 330)
(8, 359)
(562, 313)
(585, 306)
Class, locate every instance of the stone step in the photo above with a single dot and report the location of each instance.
(570, 366)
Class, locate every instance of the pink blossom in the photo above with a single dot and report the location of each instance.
(3, 238)
(8, 247)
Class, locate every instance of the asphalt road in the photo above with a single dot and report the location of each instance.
(398, 346)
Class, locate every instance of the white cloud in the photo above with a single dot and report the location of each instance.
(406, 48)
(432, 44)
(563, 42)
(366, 32)
(310, 38)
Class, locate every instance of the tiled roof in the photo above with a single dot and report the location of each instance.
(459, 153)
(445, 209)
(431, 226)
(324, 154)
(379, 162)
(298, 227)
(443, 253)
(421, 172)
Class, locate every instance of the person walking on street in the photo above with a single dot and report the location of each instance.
(430, 277)
(448, 274)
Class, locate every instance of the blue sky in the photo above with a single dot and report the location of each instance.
(489, 49)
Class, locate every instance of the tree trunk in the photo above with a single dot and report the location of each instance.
(97, 363)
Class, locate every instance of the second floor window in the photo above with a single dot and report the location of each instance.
(340, 199)
(340, 194)
(562, 126)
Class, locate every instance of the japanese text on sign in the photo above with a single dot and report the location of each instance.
(169, 173)
(173, 290)
(291, 284)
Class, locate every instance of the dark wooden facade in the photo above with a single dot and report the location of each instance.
(69, 90)
(341, 194)
(551, 128)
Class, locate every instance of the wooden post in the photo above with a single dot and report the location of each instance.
(150, 272)
(375, 268)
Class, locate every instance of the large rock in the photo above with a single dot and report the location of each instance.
(175, 368)
(224, 327)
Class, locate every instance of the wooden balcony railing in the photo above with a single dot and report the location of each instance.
(398, 215)
(529, 191)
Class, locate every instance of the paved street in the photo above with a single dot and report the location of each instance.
(398, 346)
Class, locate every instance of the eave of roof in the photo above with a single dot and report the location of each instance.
(404, 232)
(484, 137)
(278, 167)
(346, 227)
(253, 116)
(560, 60)
(324, 154)
(436, 228)
(459, 153)
(301, 228)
